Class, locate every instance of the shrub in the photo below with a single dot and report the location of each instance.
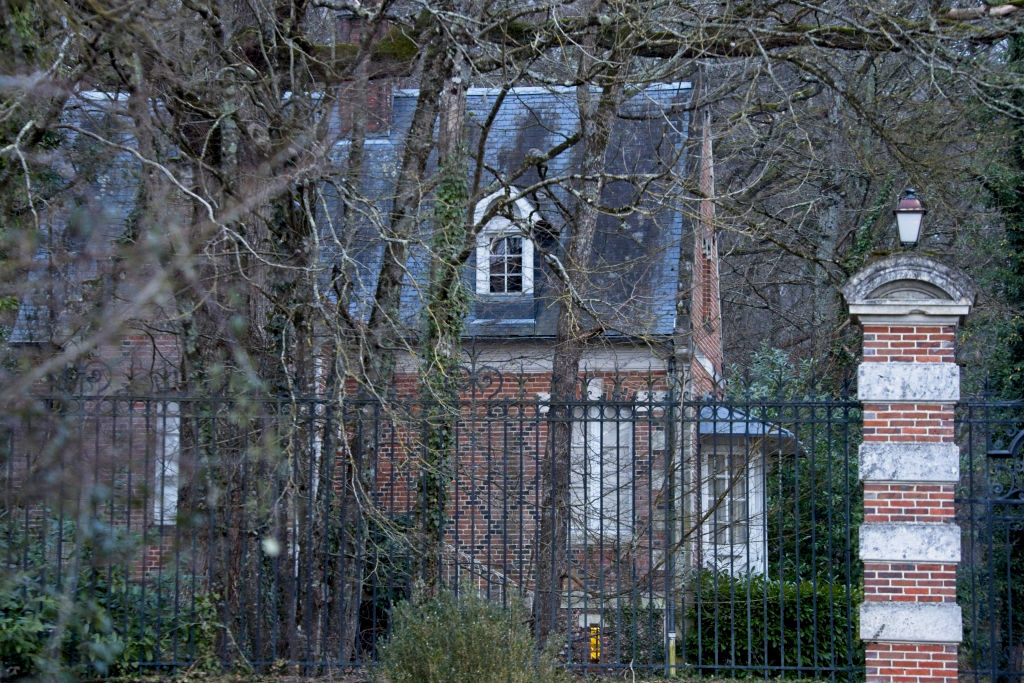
(107, 625)
(464, 638)
(26, 621)
(761, 626)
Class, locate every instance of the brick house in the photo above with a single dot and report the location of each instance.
(654, 287)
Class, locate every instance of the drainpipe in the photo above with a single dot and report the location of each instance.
(670, 520)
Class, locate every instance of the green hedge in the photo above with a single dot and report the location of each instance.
(105, 625)
(764, 627)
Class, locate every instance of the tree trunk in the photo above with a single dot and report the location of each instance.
(378, 346)
(447, 307)
(596, 118)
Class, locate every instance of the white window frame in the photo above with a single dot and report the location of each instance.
(602, 470)
(504, 261)
(525, 217)
(737, 484)
(730, 496)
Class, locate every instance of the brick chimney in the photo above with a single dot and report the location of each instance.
(706, 303)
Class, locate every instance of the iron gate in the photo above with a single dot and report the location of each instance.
(990, 510)
(249, 531)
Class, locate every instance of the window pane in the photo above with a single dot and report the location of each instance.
(739, 515)
(506, 265)
(728, 489)
(721, 518)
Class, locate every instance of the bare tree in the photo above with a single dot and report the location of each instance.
(237, 123)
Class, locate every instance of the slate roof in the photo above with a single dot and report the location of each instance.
(726, 421)
(636, 255)
(68, 263)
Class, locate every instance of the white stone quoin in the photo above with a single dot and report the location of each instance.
(924, 463)
(911, 622)
(908, 382)
(910, 542)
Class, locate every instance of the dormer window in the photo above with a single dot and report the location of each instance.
(504, 249)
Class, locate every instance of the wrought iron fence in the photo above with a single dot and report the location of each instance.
(717, 537)
(990, 510)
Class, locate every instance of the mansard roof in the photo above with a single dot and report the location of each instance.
(636, 251)
(635, 280)
(81, 228)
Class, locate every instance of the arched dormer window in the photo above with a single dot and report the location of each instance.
(506, 264)
(504, 249)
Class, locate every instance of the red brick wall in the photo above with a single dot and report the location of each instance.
(910, 582)
(908, 502)
(705, 294)
(908, 422)
(912, 663)
(909, 343)
(495, 498)
(364, 102)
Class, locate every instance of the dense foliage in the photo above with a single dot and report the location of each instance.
(991, 585)
(70, 620)
(1005, 184)
(797, 628)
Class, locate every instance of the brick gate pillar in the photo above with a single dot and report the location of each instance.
(908, 383)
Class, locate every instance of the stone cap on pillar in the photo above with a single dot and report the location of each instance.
(909, 288)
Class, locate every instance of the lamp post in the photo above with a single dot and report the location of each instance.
(909, 211)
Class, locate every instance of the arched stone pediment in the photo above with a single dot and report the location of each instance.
(909, 290)
(905, 277)
(909, 284)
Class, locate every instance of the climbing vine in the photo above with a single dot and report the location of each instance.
(446, 309)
